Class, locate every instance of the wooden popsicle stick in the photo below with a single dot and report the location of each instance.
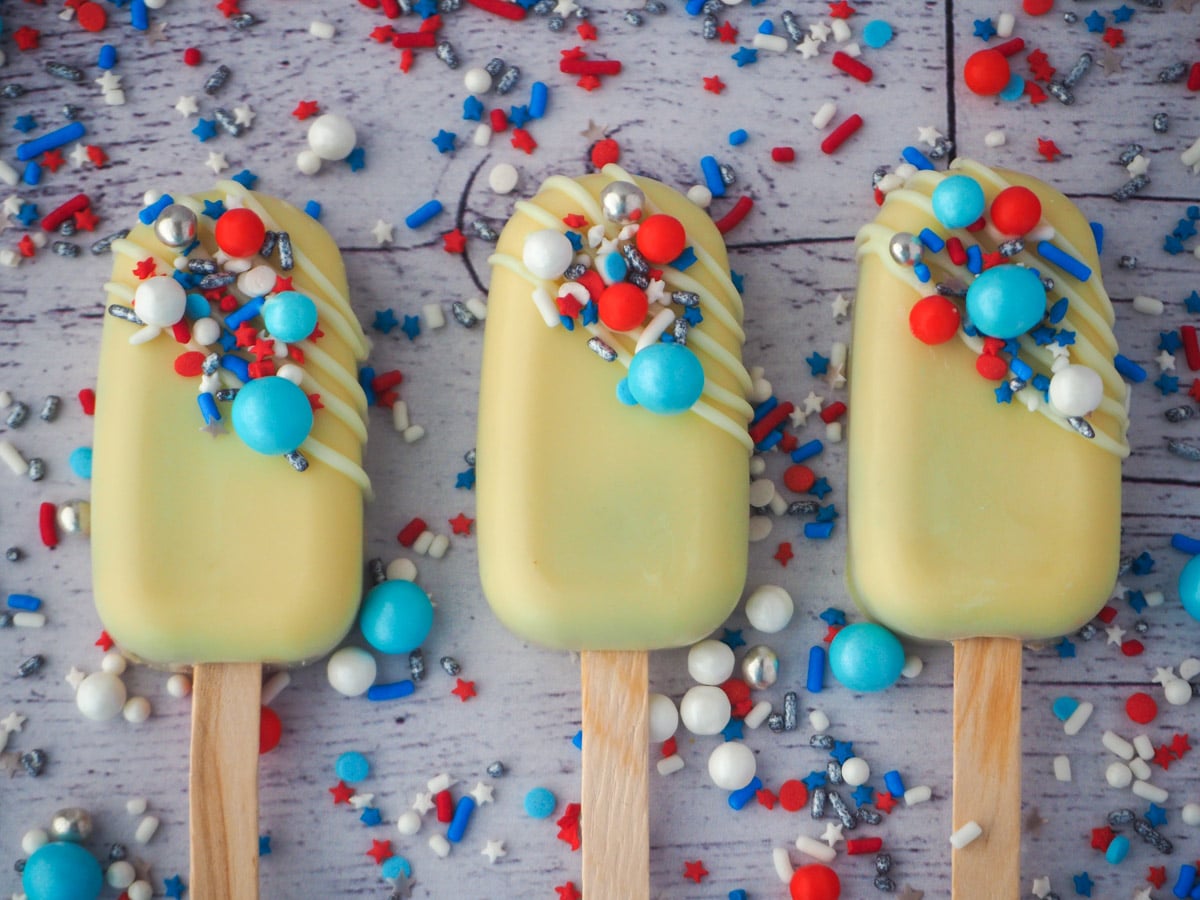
(616, 786)
(223, 790)
(987, 767)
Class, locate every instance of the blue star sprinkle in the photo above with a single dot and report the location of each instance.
(370, 817)
(174, 887)
(445, 141)
(246, 179)
(205, 129)
(425, 8)
(465, 480)
(356, 159)
(1137, 600)
(264, 845)
(1185, 229)
(1143, 564)
(1192, 302)
(385, 321)
(214, 209)
(814, 780)
(864, 794)
(817, 364)
(1169, 341)
(1083, 884)
(842, 750)
(590, 314)
(745, 57)
(738, 280)
(820, 488)
(1167, 384)
(1003, 393)
(1156, 815)
(28, 214)
(1122, 14)
(518, 116)
(833, 616)
(25, 124)
(733, 639)
(1094, 22)
(693, 315)
(827, 513)
(472, 109)
(1172, 245)
(984, 29)
(1042, 335)
(411, 327)
(1066, 650)
(1064, 338)
(732, 730)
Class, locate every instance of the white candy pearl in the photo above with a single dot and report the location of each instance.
(135, 806)
(1191, 814)
(710, 662)
(1076, 390)
(700, 195)
(855, 771)
(308, 162)
(206, 331)
(179, 686)
(257, 282)
(33, 839)
(704, 710)
(351, 671)
(113, 663)
(547, 253)
(160, 301)
(664, 718)
(141, 890)
(136, 710)
(120, 875)
(291, 372)
(477, 81)
(1189, 668)
(1178, 692)
(732, 765)
(100, 696)
(401, 569)
(503, 179)
(770, 608)
(1118, 775)
(331, 136)
(409, 823)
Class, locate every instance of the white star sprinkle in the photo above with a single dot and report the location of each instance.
(565, 7)
(79, 156)
(656, 290)
(75, 678)
(840, 307)
(244, 115)
(836, 378)
(832, 835)
(215, 428)
(359, 801)
(798, 417)
(12, 722)
(1138, 165)
(808, 48)
(1041, 887)
(1164, 676)
(482, 793)
(216, 162)
(819, 31)
(494, 850)
(1143, 894)
(1166, 361)
(109, 81)
(186, 106)
(813, 403)
(929, 135)
(382, 231)
(12, 205)
(423, 802)
(1115, 634)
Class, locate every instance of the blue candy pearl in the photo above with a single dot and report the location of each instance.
(1189, 587)
(1006, 301)
(289, 316)
(540, 803)
(272, 415)
(958, 201)
(396, 617)
(664, 378)
(352, 767)
(62, 871)
(81, 461)
(197, 307)
(866, 657)
(395, 866)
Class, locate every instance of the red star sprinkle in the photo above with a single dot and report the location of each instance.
(262, 349)
(991, 260)
(1163, 756)
(26, 38)
(144, 269)
(1101, 838)
(228, 8)
(464, 690)
(1048, 149)
(1157, 876)
(694, 870)
(341, 793)
(316, 335)
(246, 335)
(383, 33)
(841, 10)
(454, 241)
(568, 306)
(1180, 745)
(314, 400)
(765, 798)
(831, 633)
(380, 850)
(588, 82)
(569, 834)
(96, 155)
(523, 140)
(461, 524)
(1114, 37)
(573, 53)
(1036, 94)
(886, 802)
(282, 284)
(104, 642)
(568, 891)
(305, 108)
(727, 33)
(714, 84)
(574, 220)
(784, 553)
(587, 31)
(86, 220)
(406, 60)
(26, 247)
(53, 160)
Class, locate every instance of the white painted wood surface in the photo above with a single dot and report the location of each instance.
(796, 253)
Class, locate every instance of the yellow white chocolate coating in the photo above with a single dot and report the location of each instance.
(968, 517)
(603, 526)
(202, 549)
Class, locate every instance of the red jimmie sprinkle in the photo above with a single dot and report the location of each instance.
(771, 421)
(833, 412)
(445, 806)
(733, 218)
(958, 254)
(669, 747)
(391, 8)
(852, 67)
(839, 135)
(1107, 614)
(385, 381)
(504, 8)
(433, 23)
(403, 39)
(863, 845)
(48, 524)
(499, 120)
(1191, 347)
(386, 399)
(181, 331)
(1012, 47)
(782, 154)
(406, 59)
(575, 66)
(56, 217)
(1132, 648)
(1193, 81)
(87, 401)
(410, 532)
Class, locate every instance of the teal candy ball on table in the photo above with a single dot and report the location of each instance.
(866, 657)
(289, 316)
(958, 201)
(665, 378)
(1006, 301)
(62, 871)
(272, 415)
(396, 617)
(1189, 587)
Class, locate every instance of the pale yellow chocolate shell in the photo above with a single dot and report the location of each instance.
(203, 550)
(603, 526)
(969, 518)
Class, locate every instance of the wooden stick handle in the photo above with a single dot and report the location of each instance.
(987, 767)
(224, 781)
(616, 786)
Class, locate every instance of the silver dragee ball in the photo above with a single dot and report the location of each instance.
(760, 667)
(905, 248)
(71, 824)
(75, 517)
(622, 202)
(176, 225)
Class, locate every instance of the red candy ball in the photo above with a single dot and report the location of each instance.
(815, 882)
(191, 57)
(1037, 7)
(623, 306)
(1141, 708)
(934, 319)
(799, 478)
(270, 730)
(661, 239)
(604, 152)
(987, 72)
(1016, 210)
(991, 367)
(240, 232)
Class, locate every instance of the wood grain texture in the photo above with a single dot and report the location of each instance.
(223, 789)
(616, 774)
(987, 767)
